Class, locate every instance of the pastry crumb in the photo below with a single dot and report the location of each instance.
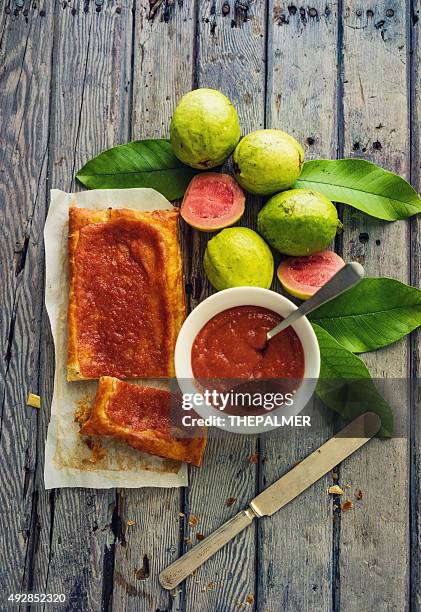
(254, 458)
(358, 495)
(130, 522)
(33, 400)
(230, 501)
(200, 536)
(98, 452)
(249, 601)
(335, 490)
(209, 586)
(347, 505)
(83, 410)
(193, 520)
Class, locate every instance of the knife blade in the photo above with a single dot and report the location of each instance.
(289, 486)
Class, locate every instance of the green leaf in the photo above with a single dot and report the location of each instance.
(373, 314)
(141, 163)
(363, 185)
(345, 384)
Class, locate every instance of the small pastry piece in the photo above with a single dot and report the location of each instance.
(126, 301)
(142, 417)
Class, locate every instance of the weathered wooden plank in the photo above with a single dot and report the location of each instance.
(415, 425)
(68, 529)
(295, 564)
(163, 72)
(374, 535)
(302, 74)
(89, 102)
(231, 58)
(26, 44)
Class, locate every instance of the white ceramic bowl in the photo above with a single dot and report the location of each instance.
(247, 296)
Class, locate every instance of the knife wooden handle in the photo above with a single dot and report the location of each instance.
(185, 565)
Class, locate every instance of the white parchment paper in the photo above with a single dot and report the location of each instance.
(68, 459)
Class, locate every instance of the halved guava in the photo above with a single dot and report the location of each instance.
(212, 201)
(303, 276)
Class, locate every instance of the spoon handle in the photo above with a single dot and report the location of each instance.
(347, 277)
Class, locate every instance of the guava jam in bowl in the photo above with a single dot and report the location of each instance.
(221, 347)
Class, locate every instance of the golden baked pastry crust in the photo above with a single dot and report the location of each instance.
(126, 301)
(141, 417)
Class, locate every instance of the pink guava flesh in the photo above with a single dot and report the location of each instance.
(212, 201)
(303, 276)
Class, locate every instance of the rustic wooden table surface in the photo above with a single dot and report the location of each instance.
(80, 76)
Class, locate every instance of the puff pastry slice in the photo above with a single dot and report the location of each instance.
(143, 418)
(126, 301)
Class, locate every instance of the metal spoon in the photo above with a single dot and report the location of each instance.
(347, 277)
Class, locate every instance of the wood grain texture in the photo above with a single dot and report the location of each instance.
(74, 82)
(415, 425)
(374, 535)
(88, 110)
(26, 45)
(162, 72)
(302, 75)
(230, 57)
(295, 558)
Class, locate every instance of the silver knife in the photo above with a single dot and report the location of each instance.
(307, 472)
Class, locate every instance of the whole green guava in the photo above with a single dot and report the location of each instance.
(204, 128)
(268, 161)
(238, 257)
(298, 222)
